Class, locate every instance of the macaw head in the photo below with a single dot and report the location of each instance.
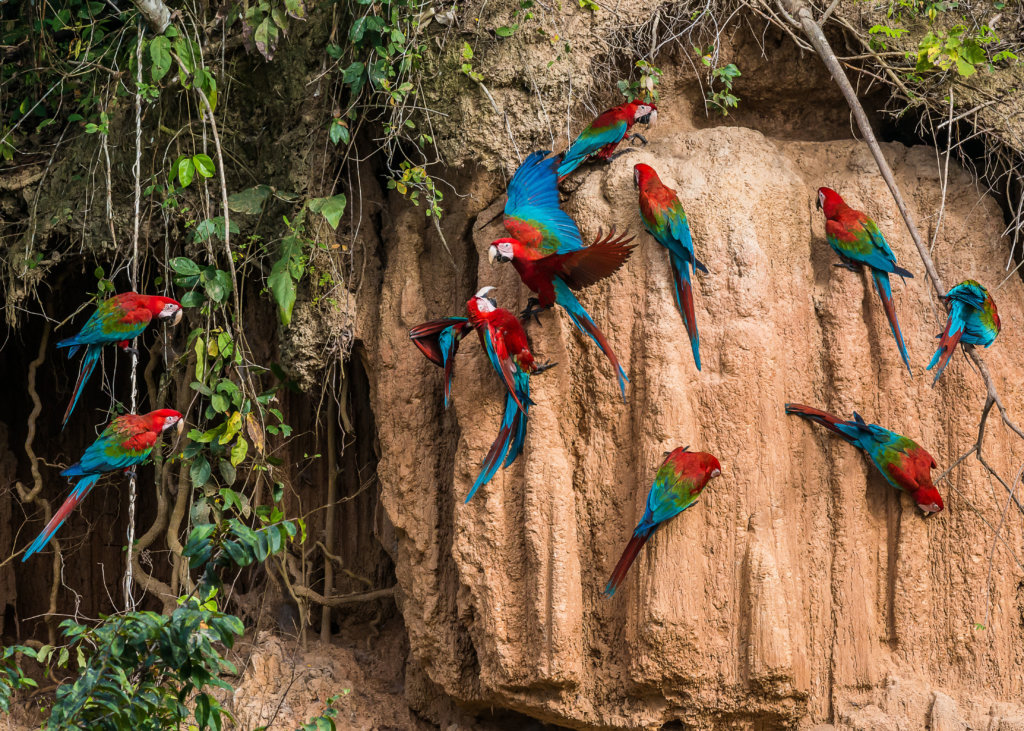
(829, 201)
(483, 302)
(162, 307)
(646, 113)
(162, 419)
(928, 500)
(712, 468)
(502, 251)
(642, 174)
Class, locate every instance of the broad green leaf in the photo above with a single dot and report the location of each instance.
(160, 53)
(505, 31)
(203, 165)
(228, 472)
(282, 286)
(186, 171)
(220, 403)
(265, 38)
(353, 73)
(200, 471)
(239, 451)
(200, 349)
(249, 201)
(358, 29)
(233, 425)
(332, 208)
(192, 299)
(184, 265)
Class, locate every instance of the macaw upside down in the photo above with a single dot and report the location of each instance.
(665, 219)
(973, 319)
(903, 463)
(126, 442)
(857, 240)
(677, 485)
(547, 250)
(115, 322)
(600, 139)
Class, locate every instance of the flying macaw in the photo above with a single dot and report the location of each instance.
(903, 463)
(972, 319)
(116, 321)
(665, 219)
(605, 133)
(677, 485)
(547, 250)
(506, 345)
(126, 442)
(857, 240)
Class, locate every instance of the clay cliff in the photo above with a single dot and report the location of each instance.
(802, 588)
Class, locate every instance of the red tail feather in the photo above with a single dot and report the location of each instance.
(822, 417)
(628, 557)
(947, 344)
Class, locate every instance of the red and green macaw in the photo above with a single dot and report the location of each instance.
(857, 240)
(665, 219)
(505, 342)
(605, 133)
(126, 442)
(973, 319)
(116, 321)
(903, 463)
(508, 349)
(677, 485)
(547, 250)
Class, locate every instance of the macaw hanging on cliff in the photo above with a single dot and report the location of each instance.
(506, 345)
(857, 240)
(439, 341)
(665, 219)
(547, 250)
(972, 319)
(903, 463)
(677, 485)
(126, 442)
(605, 133)
(116, 321)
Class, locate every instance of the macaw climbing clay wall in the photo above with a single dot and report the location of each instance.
(802, 588)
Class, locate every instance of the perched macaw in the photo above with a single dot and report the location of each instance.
(439, 341)
(857, 240)
(903, 463)
(116, 321)
(972, 319)
(677, 485)
(665, 219)
(605, 133)
(547, 250)
(125, 443)
(506, 345)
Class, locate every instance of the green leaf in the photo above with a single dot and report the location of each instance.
(184, 265)
(332, 208)
(249, 201)
(505, 31)
(338, 132)
(160, 53)
(200, 471)
(282, 286)
(231, 428)
(239, 451)
(192, 299)
(265, 38)
(220, 403)
(228, 472)
(204, 165)
(186, 171)
(353, 73)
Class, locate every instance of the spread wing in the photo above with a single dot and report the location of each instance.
(532, 213)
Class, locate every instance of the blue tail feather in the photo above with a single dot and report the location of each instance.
(881, 280)
(499, 448)
(88, 365)
(583, 321)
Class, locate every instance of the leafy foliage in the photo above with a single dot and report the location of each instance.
(646, 87)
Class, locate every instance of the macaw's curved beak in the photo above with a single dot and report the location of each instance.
(652, 117)
(492, 254)
(175, 320)
(180, 426)
(817, 203)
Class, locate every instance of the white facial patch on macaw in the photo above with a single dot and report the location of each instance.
(170, 421)
(930, 508)
(821, 199)
(501, 251)
(636, 178)
(645, 110)
(170, 310)
(716, 473)
(485, 303)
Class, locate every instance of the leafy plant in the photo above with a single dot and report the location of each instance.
(957, 49)
(722, 99)
(646, 87)
(467, 65)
